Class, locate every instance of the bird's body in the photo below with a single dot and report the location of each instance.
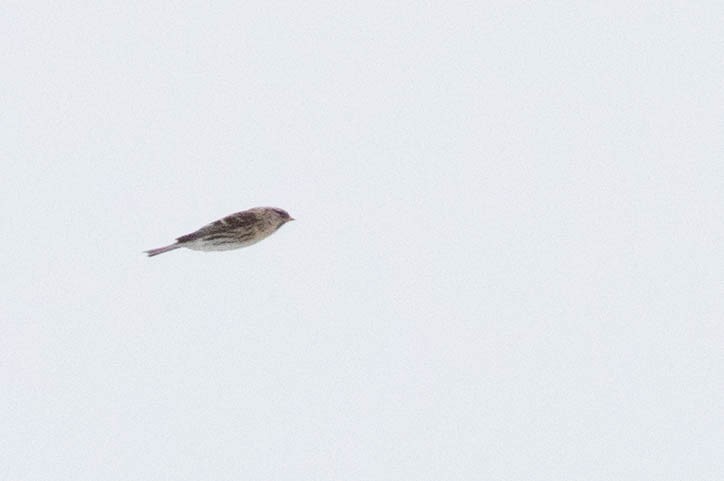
(234, 231)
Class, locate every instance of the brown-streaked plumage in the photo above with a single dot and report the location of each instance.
(231, 232)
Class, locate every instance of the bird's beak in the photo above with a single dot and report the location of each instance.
(291, 219)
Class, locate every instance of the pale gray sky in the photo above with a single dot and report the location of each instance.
(507, 262)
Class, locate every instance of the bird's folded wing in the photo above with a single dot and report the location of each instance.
(239, 220)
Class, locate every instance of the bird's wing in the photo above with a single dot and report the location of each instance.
(238, 220)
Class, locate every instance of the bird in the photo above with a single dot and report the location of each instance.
(234, 231)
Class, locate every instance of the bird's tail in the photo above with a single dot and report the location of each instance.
(161, 250)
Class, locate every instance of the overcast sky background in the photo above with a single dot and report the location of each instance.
(507, 262)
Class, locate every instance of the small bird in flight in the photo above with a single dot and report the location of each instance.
(232, 232)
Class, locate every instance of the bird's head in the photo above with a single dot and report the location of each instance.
(280, 216)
